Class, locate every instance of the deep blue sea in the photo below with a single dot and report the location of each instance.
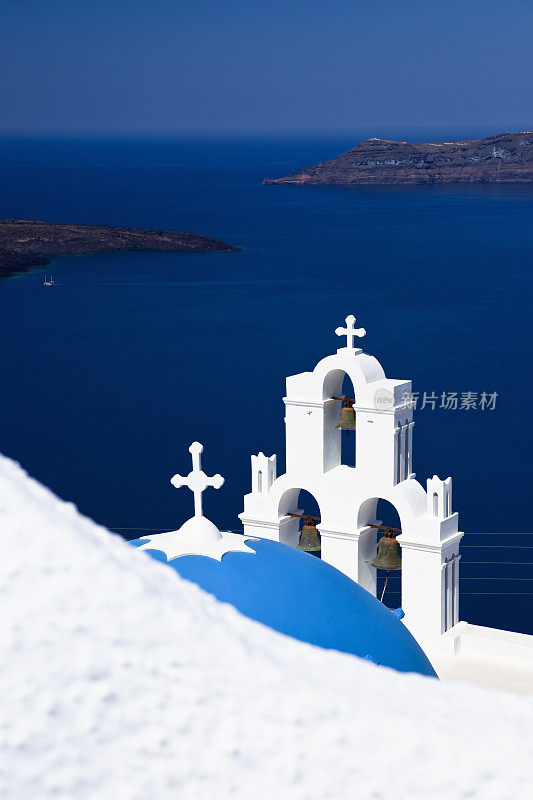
(108, 377)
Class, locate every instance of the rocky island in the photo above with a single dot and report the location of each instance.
(28, 243)
(506, 158)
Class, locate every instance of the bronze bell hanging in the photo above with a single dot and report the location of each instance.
(388, 555)
(309, 537)
(347, 418)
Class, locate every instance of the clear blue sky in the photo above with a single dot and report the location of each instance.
(212, 65)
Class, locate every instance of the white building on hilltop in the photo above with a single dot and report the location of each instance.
(347, 496)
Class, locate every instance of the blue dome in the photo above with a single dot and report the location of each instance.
(303, 597)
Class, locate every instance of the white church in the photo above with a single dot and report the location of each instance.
(331, 601)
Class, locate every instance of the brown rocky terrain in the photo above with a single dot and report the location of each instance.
(27, 243)
(506, 158)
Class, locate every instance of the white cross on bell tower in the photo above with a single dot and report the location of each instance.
(350, 332)
(197, 481)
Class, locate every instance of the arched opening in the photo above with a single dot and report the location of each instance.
(339, 420)
(387, 515)
(377, 511)
(348, 437)
(301, 503)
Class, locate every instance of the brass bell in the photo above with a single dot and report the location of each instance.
(388, 555)
(347, 418)
(309, 537)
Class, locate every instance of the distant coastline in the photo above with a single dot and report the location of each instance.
(25, 244)
(506, 158)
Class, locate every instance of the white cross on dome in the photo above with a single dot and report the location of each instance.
(197, 481)
(198, 536)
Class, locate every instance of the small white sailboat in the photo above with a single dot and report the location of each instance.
(49, 282)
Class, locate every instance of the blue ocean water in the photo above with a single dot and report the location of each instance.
(108, 377)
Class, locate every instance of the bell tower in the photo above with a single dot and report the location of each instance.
(348, 496)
